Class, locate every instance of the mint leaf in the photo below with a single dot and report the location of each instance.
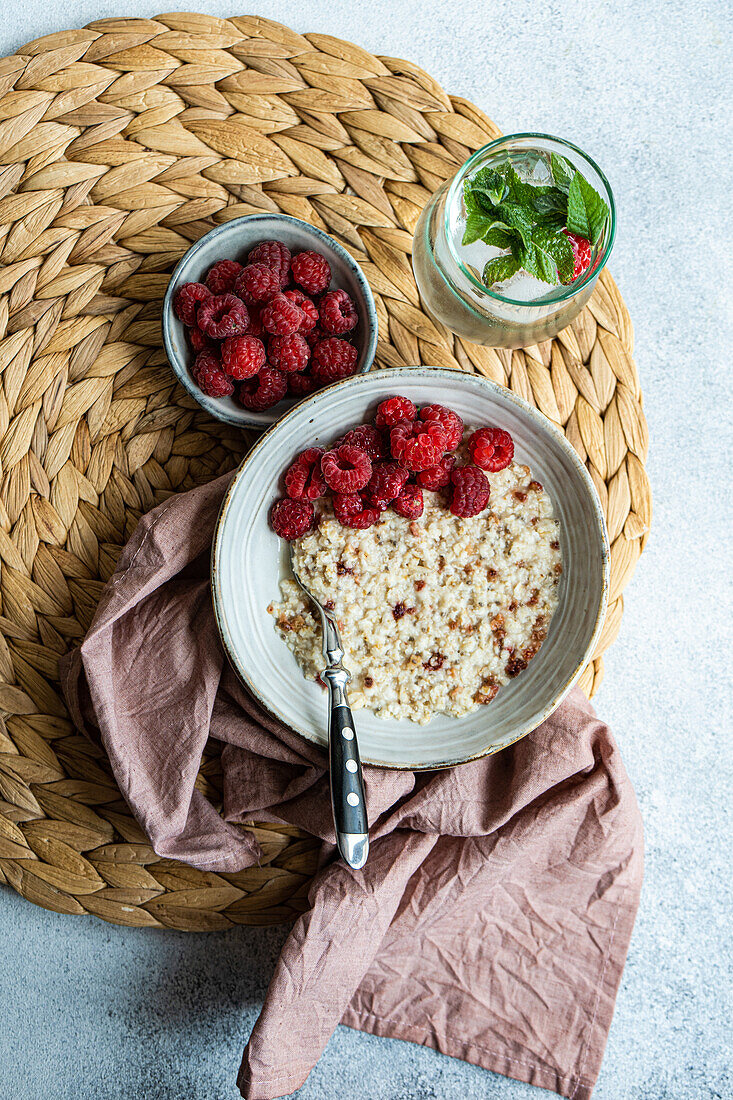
(587, 212)
(501, 236)
(562, 171)
(500, 269)
(539, 263)
(558, 248)
(516, 217)
(551, 206)
(477, 225)
(488, 184)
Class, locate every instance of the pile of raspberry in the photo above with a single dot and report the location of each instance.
(269, 327)
(388, 464)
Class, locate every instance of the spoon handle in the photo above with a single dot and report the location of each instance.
(347, 783)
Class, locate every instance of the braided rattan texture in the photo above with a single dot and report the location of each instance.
(121, 144)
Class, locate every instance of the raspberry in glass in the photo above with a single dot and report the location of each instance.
(187, 300)
(333, 359)
(288, 353)
(275, 255)
(409, 503)
(223, 315)
(581, 253)
(491, 449)
(469, 491)
(307, 307)
(450, 422)
(337, 313)
(290, 519)
(264, 390)
(311, 271)
(256, 284)
(368, 438)
(393, 411)
(346, 468)
(437, 477)
(242, 356)
(303, 478)
(221, 278)
(209, 376)
(386, 483)
(417, 445)
(281, 317)
(351, 511)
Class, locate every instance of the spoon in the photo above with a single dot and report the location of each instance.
(347, 783)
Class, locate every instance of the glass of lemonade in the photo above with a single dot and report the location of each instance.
(503, 304)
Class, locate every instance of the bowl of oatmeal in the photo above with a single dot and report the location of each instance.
(462, 632)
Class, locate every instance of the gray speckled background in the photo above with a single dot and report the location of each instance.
(90, 1010)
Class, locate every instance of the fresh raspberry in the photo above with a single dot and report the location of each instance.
(223, 316)
(386, 483)
(311, 271)
(288, 353)
(491, 449)
(187, 300)
(581, 253)
(276, 256)
(308, 308)
(303, 478)
(393, 411)
(346, 468)
(256, 283)
(418, 445)
(198, 339)
(281, 317)
(209, 375)
(292, 518)
(264, 390)
(222, 276)
(301, 384)
(368, 439)
(255, 321)
(409, 503)
(337, 313)
(333, 359)
(437, 477)
(314, 335)
(242, 356)
(450, 422)
(351, 511)
(470, 492)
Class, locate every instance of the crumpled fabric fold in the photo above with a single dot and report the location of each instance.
(494, 915)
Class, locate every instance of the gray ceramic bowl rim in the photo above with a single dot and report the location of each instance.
(181, 371)
(544, 425)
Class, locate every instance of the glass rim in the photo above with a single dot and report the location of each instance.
(564, 292)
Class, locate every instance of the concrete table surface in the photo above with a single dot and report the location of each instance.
(91, 1010)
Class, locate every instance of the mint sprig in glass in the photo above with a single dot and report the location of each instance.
(546, 230)
(508, 252)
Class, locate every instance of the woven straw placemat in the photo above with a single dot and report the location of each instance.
(121, 144)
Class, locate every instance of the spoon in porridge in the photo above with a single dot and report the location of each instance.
(347, 784)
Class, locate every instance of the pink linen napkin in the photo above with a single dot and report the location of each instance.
(493, 917)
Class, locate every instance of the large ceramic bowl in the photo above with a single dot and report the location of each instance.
(232, 241)
(248, 561)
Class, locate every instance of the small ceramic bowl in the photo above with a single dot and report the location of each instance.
(232, 241)
(248, 562)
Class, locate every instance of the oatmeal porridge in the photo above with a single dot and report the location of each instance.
(436, 613)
